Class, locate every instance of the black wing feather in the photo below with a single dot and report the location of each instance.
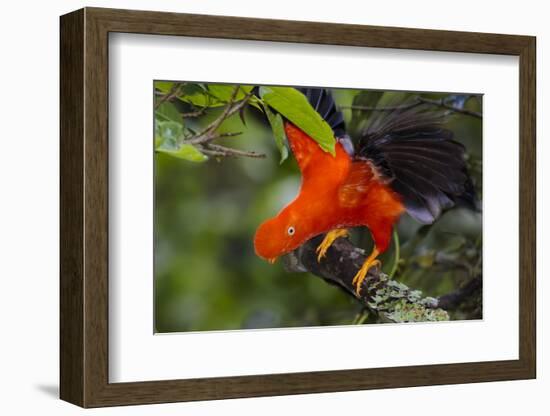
(411, 147)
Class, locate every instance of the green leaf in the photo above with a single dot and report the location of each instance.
(185, 151)
(158, 141)
(168, 112)
(294, 105)
(224, 92)
(167, 133)
(192, 93)
(167, 139)
(277, 125)
(163, 86)
(201, 100)
(256, 102)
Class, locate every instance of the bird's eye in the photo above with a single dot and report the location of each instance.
(290, 230)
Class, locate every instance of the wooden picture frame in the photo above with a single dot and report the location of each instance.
(84, 207)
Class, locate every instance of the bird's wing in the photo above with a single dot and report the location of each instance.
(357, 184)
(412, 149)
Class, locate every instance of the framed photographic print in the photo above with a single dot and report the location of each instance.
(255, 207)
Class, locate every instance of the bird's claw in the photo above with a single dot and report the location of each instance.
(321, 251)
(361, 275)
(327, 242)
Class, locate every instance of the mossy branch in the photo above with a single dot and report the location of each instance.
(391, 300)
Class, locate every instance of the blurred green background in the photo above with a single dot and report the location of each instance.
(207, 276)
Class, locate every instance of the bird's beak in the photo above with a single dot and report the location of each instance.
(272, 260)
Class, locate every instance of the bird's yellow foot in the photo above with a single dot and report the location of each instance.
(371, 261)
(328, 240)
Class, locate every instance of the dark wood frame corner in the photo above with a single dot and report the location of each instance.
(84, 207)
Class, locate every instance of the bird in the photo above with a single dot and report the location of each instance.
(405, 161)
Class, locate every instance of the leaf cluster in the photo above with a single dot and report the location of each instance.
(179, 104)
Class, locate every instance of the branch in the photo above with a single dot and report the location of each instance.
(209, 133)
(443, 104)
(193, 114)
(173, 93)
(391, 300)
(454, 299)
(412, 104)
(416, 102)
(203, 140)
(222, 151)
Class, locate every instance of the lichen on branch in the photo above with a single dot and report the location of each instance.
(391, 300)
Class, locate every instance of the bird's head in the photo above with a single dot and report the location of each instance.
(278, 236)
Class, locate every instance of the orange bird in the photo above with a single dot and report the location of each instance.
(406, 161)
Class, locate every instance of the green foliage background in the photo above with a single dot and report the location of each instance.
(207, 276)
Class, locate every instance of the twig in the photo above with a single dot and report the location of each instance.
(361, 317)
(454, 299)
(442, 103)
(397, 249)
(222, 151)
(208, 134)
(192, 114)
(203, 140)
(204, 135)
(416, 102)
(389, 108)
(173, 93)
(230, 134)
